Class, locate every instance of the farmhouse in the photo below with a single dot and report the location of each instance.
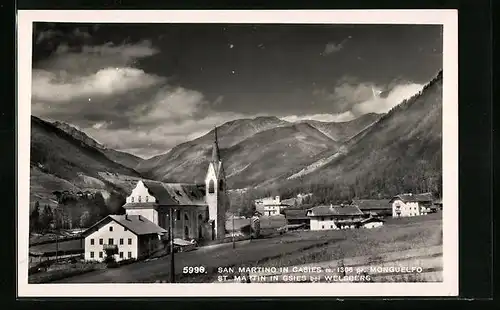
(297, 217)
(269, 206)
(129, 236)
(438, 204)
(335, 217)
(374, 207)
(371, 222)
(198, 210)
(411, 204)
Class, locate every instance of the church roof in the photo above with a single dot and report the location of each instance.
(215, 148)
(176, 193)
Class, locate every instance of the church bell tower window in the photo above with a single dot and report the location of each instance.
(211, 187)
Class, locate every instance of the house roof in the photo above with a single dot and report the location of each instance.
(371, 219)
(295, 214)
(176, 193)
(137, 224)
(370, 204)
(423, 197)
(334, 210)
(438, 202)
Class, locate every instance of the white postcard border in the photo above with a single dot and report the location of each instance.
(447, 18)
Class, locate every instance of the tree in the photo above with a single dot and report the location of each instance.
(35, 218)
(46, 218)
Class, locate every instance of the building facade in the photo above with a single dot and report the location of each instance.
(198, 210)
(405, 205)
(335, 217)
(129, 236)
(269, 206)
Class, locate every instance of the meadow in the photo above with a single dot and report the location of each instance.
(292, 248)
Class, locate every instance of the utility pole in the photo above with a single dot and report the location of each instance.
(234, 245)
(172, 267)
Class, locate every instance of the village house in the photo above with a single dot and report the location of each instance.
(335, 217)
(297, 217)
(269, 206)
(128, 236)
(371, 222)
(199, 211)
(374, 207)
(404, 205)
(438, 205)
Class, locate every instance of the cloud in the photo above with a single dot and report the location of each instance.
(339, 117)
(47, 35)
(59, 87)
(383, 105)
(358, 97)
(332, 47)
(88, 59)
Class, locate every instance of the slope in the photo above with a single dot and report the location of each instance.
(123, 158)
(187, 161)
(343, 131)
(400, 152)
(60, 162)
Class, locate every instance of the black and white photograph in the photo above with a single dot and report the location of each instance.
(218, 150)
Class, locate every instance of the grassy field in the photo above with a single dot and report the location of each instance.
(66, 245)
(292, 248)
(63, 270)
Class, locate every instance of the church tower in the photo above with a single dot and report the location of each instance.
(216, 196)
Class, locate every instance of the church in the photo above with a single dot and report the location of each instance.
(198, 209)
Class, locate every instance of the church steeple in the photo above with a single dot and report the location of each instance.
(215, 149)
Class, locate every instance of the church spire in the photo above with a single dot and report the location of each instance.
(215, 149)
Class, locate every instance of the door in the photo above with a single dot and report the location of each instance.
(186, 232)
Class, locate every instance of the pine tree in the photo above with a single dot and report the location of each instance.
(35, 218)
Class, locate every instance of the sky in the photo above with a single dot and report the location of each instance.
(145, 88)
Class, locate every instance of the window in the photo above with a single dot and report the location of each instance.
(131, 199)
(92, 241)
(125, 229)
(221, 185)
(147, 198)
(121, 254)
(121, 241)
(101, 241)
(186, 218)
(211, 187)
(178, 215)
(129, 254)
(331, 226)
(129, 241)
(100, 254)
(91, 254)
(110, 241)
(322, 226)
(139, 199)
(110, 228)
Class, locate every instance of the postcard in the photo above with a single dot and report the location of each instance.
(237, 153)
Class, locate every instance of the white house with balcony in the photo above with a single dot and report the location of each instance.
(130, 237)
(404, 205)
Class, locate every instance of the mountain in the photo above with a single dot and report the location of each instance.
(59, 162)
(187, 161)
(343, 131)
(125, 159)
(400, 152)
(249, 148)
